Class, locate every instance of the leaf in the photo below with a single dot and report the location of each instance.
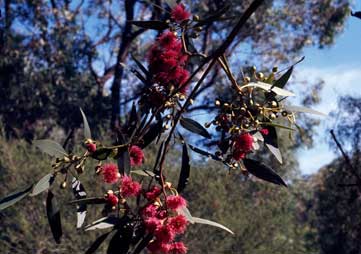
(154, 130)
(87, 132)
(184, 211)
(96, 244)
(53, 213)
(143, 172)
(263, 172)
(202, 152)
(120, 242)
(267, 87)
(271, 142)
(103, 223)
(79, 193)
(101, 153)
(212, 223)
(153, 24)
(278, 126)
(303, 110)
(356, 14)
(43, 184)
(282, 81)
(143, 243)
(133, 120)
(213, 17)
(50, 147)
(123, 156)
(194, 127)
(141, 66)
(88, 201)
(185, 169)
(14, 197)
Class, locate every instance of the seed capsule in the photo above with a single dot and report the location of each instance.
(195, 17)
(63, 185)
(273, 116)
(284, 113)
(274, 104)
(217, 103)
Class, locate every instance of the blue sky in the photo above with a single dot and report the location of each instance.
(340, 67)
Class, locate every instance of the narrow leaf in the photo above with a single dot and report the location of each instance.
(93, 248)
(202, 152)
(87, 132)
(103, 223)
(79, 193)
(282, 81)
(271, 142)
(263, 172)
(50, 147)
(141, 66)
(14, 197)
(88, 201)
(101, 153)
(184, 211)
(154, 130)
(123, 156)
(153, 24)
(143, 172)
(303, 110)
(185, 169)
(268, 87)
(194, 127)
(120, 242)
(212, 223)
(53, 213)
(43, 184)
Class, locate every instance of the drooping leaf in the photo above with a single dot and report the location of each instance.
(101, 154)
(50, 147)
(153, 24)
(194, 126)
(216, 16)
(212, 223)
(141, 66)
(184, 211)
(263, 172)
(154, 130)
(96, 244)
(282, 81)
(123, 157)
(120, 242)
(143, 172)
(14, 197)
(278, 126)
(356, 14)
(303, 110)
(202, 152)
(267, 87)
(185, 170)
(43, 184)
(159, 154)
(79, 193)
(88, 201)
(103, 223)
(133, 120)
(53, 213)
(87, 132)
(143, 243)
(271, 142)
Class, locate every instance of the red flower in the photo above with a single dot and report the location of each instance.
(177, 248)
(167, 39)
(136, 156)
(264, 131)
(91, 147)
(176, 202)
(158, 247)
(112, 199)
(178, 223)
(110, 173)
(164, 234)
(179, 13)
(151, 224)
(244, 142)
(238, 155)
(153, 193)
(150, 211)
(128, 187)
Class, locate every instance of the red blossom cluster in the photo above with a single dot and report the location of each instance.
(110, 173)
(136, 156)
(179, 13)
(242, 145)
(167, 62)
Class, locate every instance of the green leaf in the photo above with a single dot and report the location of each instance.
(14, 197)
(216, 16)
(282, 81)
(212, 223)
(202, 152)
(271, 142)
(154, 131)
(268, 87)
(101, 153)
(103, 223)
(120, 242)
(53, 213)
(194, 127)
(184, 211)
(185, 170)
(303, 110)
(141, 66)
(88, 201)
(153, 24)
(123, 157)
(43, 184)
(87, 132)
(278, 126)
(263, 172)
(96, 244)
(143, 172)
(79, 193)
(50, 147)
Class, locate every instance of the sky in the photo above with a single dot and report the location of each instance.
(340, 67)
